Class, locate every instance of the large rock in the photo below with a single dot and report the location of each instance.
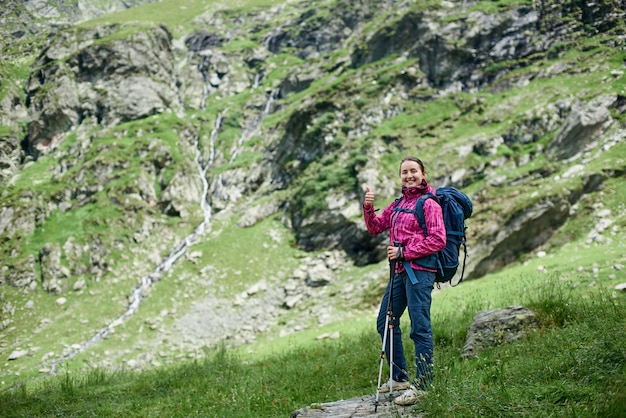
(183, 189)
(20, 273)
(12, 111)
(450, 52)
(497, 327)
(327, 32)
(53, 275)
(581, 128)
(364, 406)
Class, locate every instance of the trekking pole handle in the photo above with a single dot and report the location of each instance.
(400, 253)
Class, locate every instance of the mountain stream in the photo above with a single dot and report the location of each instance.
(147, 282)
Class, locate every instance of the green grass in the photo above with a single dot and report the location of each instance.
(230, 274)
(176, 16)
(574, 364)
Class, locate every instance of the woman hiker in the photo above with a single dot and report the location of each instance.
(407, 242)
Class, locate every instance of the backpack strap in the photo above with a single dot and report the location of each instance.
(409, 271)
(430, 261)
(464, 260)
(419, 210)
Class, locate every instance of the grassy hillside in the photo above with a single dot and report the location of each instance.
(574, 364)
(357, 120)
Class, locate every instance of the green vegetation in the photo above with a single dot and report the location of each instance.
(176, 16)
(353, 120)
(574, 364)
(329, 176)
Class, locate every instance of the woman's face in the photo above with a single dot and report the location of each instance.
(411, 174)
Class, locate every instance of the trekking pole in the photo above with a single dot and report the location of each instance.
(386, 333)
(392, 272)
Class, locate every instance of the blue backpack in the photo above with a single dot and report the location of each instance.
(456, 207)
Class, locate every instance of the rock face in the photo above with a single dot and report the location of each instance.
(89, 78)
(12, 110)
(52, 274)
(525, 231)
(581, 127)
(83, 74)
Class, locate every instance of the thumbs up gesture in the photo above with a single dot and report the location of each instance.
(369, 196)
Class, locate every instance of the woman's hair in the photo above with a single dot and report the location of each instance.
(414, 159)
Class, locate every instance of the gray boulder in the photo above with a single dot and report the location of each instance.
(496, 327)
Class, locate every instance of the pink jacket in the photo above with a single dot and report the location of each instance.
(403, 227)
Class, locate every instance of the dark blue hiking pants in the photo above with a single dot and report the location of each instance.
(417, 298)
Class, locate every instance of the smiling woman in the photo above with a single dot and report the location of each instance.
(407, 243)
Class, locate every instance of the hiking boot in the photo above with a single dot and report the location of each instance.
(396, 386)
(409, 397)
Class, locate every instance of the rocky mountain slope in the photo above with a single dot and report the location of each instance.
(169, 187)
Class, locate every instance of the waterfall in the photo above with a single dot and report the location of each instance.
(146, 282)
(257, 81)
(204, 203)
(255, 124)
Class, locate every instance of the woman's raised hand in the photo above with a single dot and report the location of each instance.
(369, 196)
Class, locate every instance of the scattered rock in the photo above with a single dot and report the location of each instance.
(318, 275)
(17, 354)
(79, 284)
(291, 301)
(333, 336)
